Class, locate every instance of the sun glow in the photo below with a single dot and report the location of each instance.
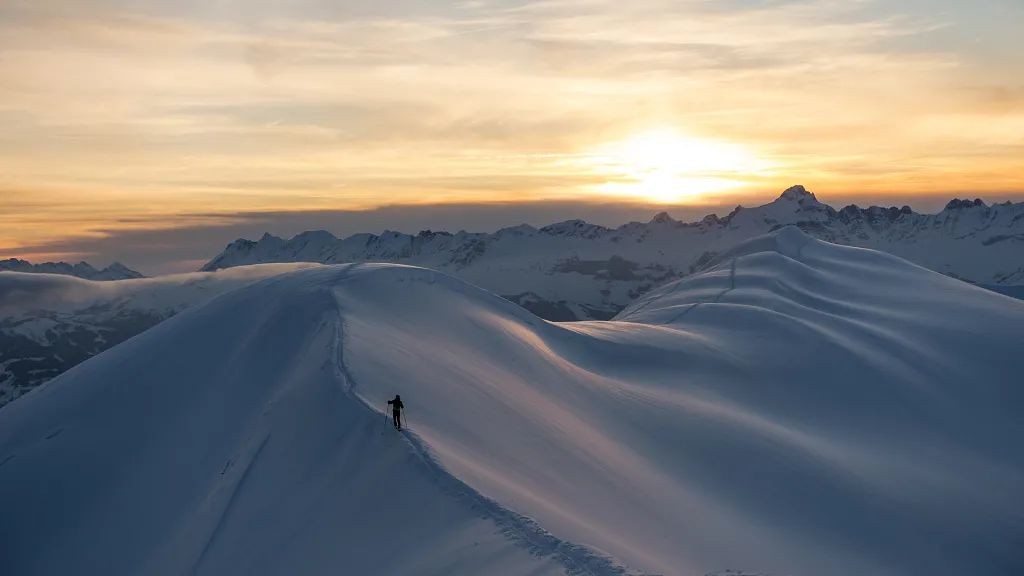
(666, 167)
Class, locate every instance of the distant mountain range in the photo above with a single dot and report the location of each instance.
(115, 271)
(566, 271)
(575, 270)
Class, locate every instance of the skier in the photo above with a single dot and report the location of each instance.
(396, 411)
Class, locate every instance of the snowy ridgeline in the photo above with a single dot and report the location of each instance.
(567, 271)
(51, 322)
(576, 271)
(798, 408)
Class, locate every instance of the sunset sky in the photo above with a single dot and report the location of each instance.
(146, 121)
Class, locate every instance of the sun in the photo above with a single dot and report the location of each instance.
(664, 166)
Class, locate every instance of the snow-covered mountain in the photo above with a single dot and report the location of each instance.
(49, 322)
(115, 271)
(575, 270)
(796, 408)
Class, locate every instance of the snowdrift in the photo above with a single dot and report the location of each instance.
(797, 408)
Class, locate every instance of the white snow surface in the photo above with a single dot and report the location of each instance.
(799, 408)
(50, 322)
(25, 293)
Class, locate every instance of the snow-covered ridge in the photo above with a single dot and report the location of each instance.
(576, 270)
(796, 408)
(115, 271)
(50, 322)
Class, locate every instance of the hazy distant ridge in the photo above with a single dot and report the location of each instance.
(115, 271)
(577, 270)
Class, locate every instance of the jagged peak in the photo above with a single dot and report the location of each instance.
(732, 214)
(428, 233)
(662, 218)
(315, 234)
(266, 242)
(81, 269)
(122, 270)
(957, 204)
(565, 225)
(798, 194)
(240, 243)
(518, 229)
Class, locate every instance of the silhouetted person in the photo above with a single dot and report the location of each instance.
(396, 411)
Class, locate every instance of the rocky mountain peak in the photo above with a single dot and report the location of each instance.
(958, 204)
(797, 193)
(662, 218)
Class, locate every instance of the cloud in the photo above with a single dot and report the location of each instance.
(160, 109)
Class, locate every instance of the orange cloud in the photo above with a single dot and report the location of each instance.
(112, 115)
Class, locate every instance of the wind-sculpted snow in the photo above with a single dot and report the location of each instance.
(50, 322)
(523, 531)
(796, 408)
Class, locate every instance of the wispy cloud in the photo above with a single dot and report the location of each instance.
(162, 108)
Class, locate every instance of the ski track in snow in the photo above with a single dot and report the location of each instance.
(717, 299)
(233, 487)
(524, 531)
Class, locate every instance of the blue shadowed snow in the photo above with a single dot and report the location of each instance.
(798, 407)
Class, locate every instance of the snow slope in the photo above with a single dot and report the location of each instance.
(797, 408)
(50, 322)
(576, 271)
